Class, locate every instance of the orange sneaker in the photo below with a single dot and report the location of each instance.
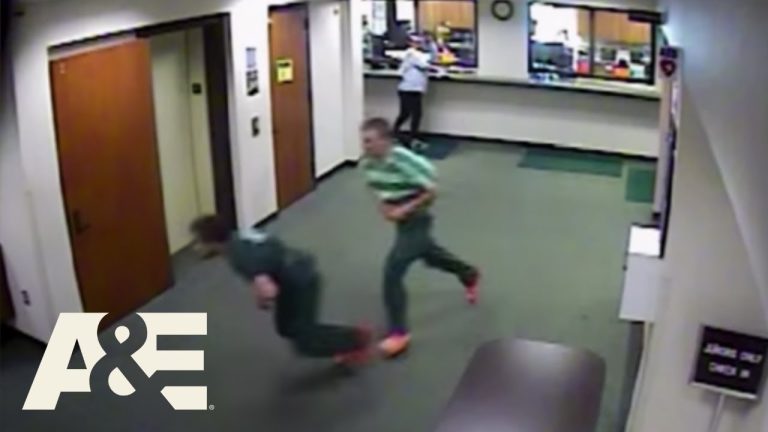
(395, 344)
(358, 357)
(353, 358)
(472, 289)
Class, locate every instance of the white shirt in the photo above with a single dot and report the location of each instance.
(414, 71)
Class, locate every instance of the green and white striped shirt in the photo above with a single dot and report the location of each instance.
(400, 175)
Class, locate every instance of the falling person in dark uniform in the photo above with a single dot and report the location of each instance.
(284, 280)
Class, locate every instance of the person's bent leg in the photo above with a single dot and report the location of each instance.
(442, 259)
(403, 116)
(416, 114)
(436, 256)
(407, 249)
(296, 318)
(395, 297)
(396, 303)
(325, 340)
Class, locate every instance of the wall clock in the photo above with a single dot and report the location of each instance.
(502, 10)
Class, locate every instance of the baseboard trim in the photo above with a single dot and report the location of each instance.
(8, 332)
(266, 220)
(339, 167)
(539, 145)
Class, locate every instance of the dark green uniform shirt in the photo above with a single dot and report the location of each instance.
(253, 252)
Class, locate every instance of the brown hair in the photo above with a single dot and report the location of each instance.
(210, 229)
(379, 125)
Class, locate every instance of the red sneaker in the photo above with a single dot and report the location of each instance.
(395, 344)
(353, 359)
(365, 336)
(472, 289)
(360, 356)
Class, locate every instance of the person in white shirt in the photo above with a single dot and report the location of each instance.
(414, 72)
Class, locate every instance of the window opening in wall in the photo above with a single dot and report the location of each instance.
(586, 41)
(446, 28)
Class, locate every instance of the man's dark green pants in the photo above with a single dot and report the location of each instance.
(296, 315)
(414, 242)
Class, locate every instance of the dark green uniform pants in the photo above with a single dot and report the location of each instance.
(296, 315)
(414, 242)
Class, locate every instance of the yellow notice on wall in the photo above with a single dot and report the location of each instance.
(284, 68)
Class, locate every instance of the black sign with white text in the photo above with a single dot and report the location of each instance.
(731, 362)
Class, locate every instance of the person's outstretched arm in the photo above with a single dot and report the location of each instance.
(265, 289)
(401, 211)
(421, 172)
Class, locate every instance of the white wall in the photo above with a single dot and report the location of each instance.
(353, 90)
(520, 114)
(21, 248)
(577, 120)
(719, 269)
(181, 121)
(503, 45)
(173, 125)
(35, 158)
(201, 134)
(627, 4)
(55, 23)
(710, 282)
(732, 104)
(325, 38)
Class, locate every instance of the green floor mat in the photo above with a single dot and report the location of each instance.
(640, 185)
(572, 161)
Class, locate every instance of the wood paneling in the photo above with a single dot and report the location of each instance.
(615, 27)
(457, 14)
(584, 24)
(110, 176)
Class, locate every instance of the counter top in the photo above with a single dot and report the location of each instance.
(522, 385)
(645, 241)
(581, 85)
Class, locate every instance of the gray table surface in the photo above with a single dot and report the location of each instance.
(526, 386)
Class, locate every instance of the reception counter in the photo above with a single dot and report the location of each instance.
(591, 86)
(584, 114)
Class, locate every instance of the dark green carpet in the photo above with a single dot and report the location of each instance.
(550, 244)
(552, 159)
(439, 148)
(640, 184)
(436, 148)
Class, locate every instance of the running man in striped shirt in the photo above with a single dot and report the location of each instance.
(405, 184)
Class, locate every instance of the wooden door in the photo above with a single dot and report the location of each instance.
(110, 176)
(291, 111)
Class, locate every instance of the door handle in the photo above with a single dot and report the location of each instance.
(78, 225)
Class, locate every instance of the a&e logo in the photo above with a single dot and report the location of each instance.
(125, 361)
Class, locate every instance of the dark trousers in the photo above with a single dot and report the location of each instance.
(410, 108)
(296, 315)
(413, 242)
